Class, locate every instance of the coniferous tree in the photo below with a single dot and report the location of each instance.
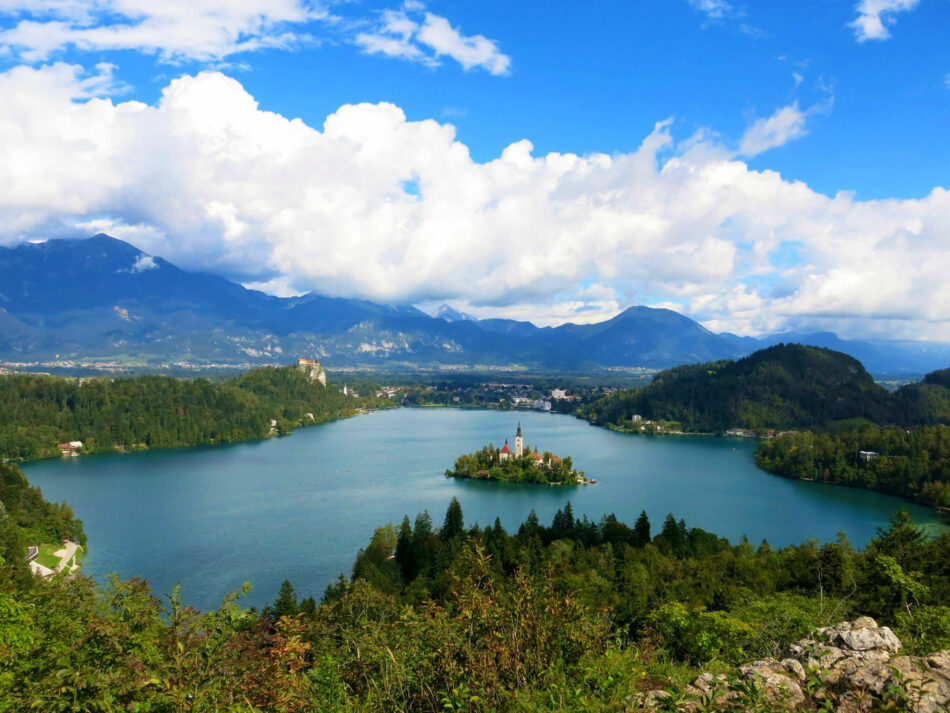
(453, 525)
(531, 525)
(641, 528)
(404, 553)
(286, 603)
(563, 521)
(903, 540)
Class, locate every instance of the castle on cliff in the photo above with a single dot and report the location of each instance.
(313, 369)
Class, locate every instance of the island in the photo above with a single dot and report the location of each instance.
(521, 465)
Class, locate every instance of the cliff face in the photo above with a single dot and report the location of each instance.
(315, 371)
(852, 667)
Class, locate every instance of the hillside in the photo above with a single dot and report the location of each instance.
(909, 462)
(785, 386)
(573, 616)
(39, 412)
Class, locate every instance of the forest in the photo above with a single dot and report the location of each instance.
(575, 615)
(38, 412)
(782, 387)
(913, 463)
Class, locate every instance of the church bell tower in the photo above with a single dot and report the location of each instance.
(519, 443)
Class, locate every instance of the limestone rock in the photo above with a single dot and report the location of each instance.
(794, 668)
(778, 682)
(863, 635)
(860, 670)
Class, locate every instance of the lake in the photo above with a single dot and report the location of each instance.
(300, 507)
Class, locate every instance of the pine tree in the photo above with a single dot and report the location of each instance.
(404, 554)
(286, 602)
(531, 525)
(454, 524)
(642, 528)
(563, 521)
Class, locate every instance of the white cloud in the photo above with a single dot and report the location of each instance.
(208, 180)
(713, 9)
(786, 124)
(205, 30)
(875, 15)
(403, 34)
(142, 264)
(277, 286)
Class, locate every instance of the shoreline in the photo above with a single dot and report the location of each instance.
(120, 450)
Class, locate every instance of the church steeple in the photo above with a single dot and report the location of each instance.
(519, 442)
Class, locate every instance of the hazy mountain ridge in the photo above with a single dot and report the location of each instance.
(103, 298)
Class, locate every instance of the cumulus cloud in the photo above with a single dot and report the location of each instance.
(412, 34)
(875, 15)
(375, 206)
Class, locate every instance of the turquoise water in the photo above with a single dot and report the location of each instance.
(300, 507)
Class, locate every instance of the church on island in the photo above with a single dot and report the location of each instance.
(519, 465)
(505, 452)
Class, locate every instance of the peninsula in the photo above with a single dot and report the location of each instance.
(521, 465)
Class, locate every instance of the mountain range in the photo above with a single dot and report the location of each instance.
(101, 299)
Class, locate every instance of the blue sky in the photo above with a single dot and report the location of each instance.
(832, 95)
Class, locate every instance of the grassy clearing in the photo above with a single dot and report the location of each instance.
(46, 556)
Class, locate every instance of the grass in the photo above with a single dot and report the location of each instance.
(50, 560)
(46, 556)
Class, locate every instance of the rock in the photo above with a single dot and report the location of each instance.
(859, 668)
(927, 687)
(653, 699)
(939, 660)
(795, 668)
(779, 685)
(865, 635)
(871, 677)
(706, 683)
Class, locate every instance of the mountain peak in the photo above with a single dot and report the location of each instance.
(450, 314)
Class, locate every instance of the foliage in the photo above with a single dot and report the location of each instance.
(38, 412)
(913, 462)
(785, 386)
(577, 615)
(22, 506)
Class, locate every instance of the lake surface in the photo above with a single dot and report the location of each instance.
(300, 507)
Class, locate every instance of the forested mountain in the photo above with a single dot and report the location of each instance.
(574, 616)
(102, 300)
(38, 412)
(784, 386)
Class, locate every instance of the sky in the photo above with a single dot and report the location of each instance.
(760, 167)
